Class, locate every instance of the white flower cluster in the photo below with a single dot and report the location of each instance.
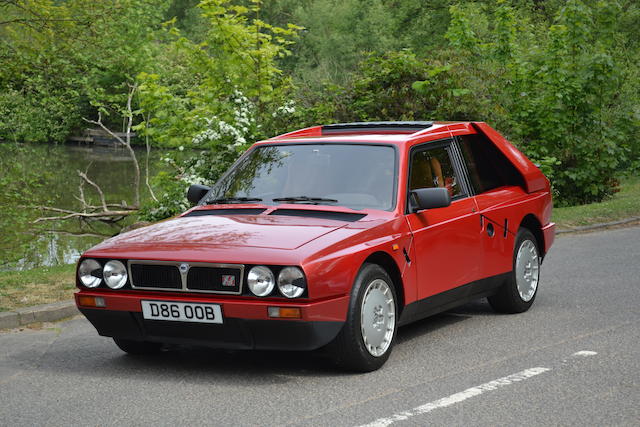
(216, 129)
(190, 176)
(288, 108)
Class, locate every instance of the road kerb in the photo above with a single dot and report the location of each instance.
(9, 320)
(599, 225)
(40, 313)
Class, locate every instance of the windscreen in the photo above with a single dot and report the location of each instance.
(357, 176)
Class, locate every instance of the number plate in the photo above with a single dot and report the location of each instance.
(181, 311)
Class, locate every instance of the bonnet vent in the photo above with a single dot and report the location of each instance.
(231, 211)
(338, 216)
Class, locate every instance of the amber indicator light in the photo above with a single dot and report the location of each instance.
(88, 301)
(285, 312)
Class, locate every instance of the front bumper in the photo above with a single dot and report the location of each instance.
(246, 324)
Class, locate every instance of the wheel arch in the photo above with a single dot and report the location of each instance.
(387, 262)
(532, 223)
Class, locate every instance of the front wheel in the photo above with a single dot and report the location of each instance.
(520, 289)
(365, 341)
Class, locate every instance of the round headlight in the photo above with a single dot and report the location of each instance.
(90, 273)
(115, 274)
(291, 282)
(261, 280)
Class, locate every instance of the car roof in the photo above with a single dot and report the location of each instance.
(382, 132)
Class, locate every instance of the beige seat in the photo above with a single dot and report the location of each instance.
(437, 171)
(421, 174)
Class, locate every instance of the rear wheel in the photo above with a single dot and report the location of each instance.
(138, 347)
(366, 339)
(519, 291)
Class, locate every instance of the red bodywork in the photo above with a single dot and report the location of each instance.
(431, 251)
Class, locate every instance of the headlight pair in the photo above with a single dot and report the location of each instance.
(91, 273)
(261, 280)
(291, 282)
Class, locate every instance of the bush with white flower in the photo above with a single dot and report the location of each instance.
(211, 100)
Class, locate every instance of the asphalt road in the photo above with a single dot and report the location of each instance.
(573, 359)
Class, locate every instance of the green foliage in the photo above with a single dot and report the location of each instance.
(622, 205)
(230, 77)
(554, 89)
(57, 59)
(401, 86)
(43, 114)
(218, 95)
(339, 34)
(563, 107)
(460, 33)
(556, 83)
(20, 183)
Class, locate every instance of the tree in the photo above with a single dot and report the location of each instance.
(60, 61)
(558, 87)
(215, 96)
(104, 211)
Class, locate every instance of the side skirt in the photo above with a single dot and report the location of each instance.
(452, 298)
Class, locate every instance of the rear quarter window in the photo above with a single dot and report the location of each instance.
(488, 167)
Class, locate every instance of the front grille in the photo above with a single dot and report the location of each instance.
(197, 277)
(156, 276)
(214, 279)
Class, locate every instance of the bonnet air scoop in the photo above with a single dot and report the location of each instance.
(308, 213)
(227, 211)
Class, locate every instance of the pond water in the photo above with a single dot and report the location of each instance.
(46, 175)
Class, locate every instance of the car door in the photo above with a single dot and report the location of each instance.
(446, 240)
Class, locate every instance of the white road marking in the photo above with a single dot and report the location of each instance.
(468, 393)
(584, 353)
(459, 397)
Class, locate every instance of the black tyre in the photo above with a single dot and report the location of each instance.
(138, 347)
(520, 289)
(366, 339)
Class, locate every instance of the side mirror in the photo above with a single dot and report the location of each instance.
(429, 198)
(196, 192)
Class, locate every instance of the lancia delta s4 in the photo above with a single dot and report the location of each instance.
(330, 237)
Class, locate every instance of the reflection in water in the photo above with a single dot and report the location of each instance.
(56, 251)
(47, 175)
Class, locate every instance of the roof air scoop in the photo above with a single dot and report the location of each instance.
(375, 127)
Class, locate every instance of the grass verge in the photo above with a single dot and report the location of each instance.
(623, 204)
(38, 286)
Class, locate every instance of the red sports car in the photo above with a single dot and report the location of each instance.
(331, 236)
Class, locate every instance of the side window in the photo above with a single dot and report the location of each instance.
(488, 167)
(433, 168)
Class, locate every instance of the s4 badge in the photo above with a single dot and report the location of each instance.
(228, 280)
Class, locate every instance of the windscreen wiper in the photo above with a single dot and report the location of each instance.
(226, 200)
(307, 199)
